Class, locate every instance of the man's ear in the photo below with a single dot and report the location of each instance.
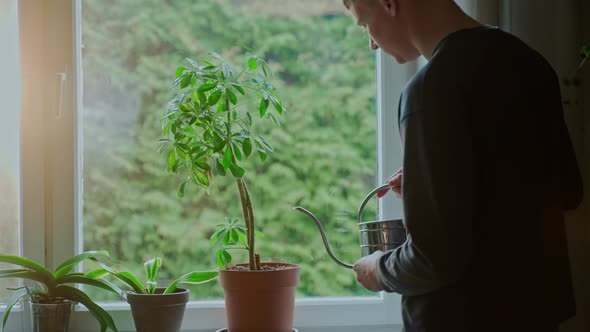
(390, 6)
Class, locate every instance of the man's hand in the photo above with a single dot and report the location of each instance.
(366, 271)
(395, 182)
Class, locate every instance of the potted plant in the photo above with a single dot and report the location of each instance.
(51, 301)
(154, 308)
(207, 133)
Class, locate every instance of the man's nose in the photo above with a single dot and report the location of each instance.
(372, 44)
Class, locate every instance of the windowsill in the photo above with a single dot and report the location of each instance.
(352, 314)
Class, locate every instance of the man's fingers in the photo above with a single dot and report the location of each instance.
(395, 181)
(382, 193)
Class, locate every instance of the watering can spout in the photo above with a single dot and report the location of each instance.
(374, 236)
(323, 233)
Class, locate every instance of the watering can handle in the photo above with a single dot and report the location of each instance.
(323, 233)
(368, 197)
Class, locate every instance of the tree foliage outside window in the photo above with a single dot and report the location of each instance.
(324, 152)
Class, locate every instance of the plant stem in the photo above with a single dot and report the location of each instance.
(249, 222)
(247, 210)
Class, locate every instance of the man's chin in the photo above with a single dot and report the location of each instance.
(404, 59)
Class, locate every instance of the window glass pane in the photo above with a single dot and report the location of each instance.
(325, 149)
(9, 138)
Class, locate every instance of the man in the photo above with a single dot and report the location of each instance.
(488, 170)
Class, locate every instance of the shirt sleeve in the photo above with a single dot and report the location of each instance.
(438, 202)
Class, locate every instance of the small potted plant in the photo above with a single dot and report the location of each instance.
(208, 132)
(51, 301)
(157, 309)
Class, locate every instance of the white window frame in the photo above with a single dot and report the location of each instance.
(50, 137)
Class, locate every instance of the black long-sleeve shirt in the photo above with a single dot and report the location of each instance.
(488, 170)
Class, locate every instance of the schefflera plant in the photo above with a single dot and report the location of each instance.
(208, 132)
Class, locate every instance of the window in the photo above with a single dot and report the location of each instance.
(325, 156)
(105, 186)
(9, 138)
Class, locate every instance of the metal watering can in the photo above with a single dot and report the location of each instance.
(373, 235)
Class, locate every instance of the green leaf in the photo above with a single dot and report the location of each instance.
(232, 96)
(236, 170)
(202, 165)
(26, 263)
(206, 87)
(193, 63)
(179, 71)
(226, 70)
(151, 268)
(237, 152)
(186, 80)
(227, 237)
(218, 143)
(221, 108)
(262, 141)
(18, 294)
(127, 278)
(218, 233)
(238, 87)
(171, 160)
(263, 107)
(226, 256)
(247, 147)
(67, 266)
(202, 97)
(227, 158)
(248, 119)
(219, 170)
(97, 273)
(214, 97)
(201, 177)
(252, 63)
(215, 55)
(235, 236)
(92, 282)
(177, 81)
(220, 258)
(262, 155)
(151, 271)
(242, 236)
(181, 189)
(104, 319)
(195, 96)
(9, 273)
(195, 277)
(274, 120)
(30, 275)
(277, 105)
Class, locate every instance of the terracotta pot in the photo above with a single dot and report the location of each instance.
(158, 312)
(260, 301)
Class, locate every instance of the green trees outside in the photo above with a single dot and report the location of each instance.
(325, 150)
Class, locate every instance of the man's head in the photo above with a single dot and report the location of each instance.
(386, 26)
(405, 29)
